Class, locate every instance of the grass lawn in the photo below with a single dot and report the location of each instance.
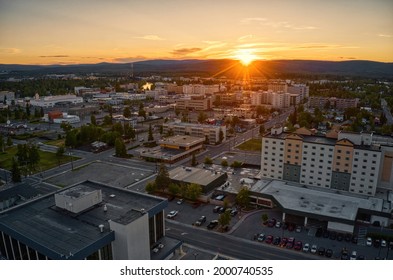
(57, 143)
(48, 160)
(251, 145)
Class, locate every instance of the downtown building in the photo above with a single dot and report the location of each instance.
(357, 163)
(90, 221)
(209, 132)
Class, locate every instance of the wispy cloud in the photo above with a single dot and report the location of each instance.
(57, 55)
(151, 38)
(276, 24)
(128, 59)
(10, 50)
(385, 35)
(245, 37)
(185, 51)
(253, 20)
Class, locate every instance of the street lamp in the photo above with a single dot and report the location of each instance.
(195, 255)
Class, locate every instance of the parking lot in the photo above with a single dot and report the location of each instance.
(250, 225)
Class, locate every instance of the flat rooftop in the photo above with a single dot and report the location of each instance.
(194, 125)
(199, 176)
(182, 140)
(318, 202)
(65, 233)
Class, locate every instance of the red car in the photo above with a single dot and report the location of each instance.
(284, 242)
(298, 245)
(269, 239)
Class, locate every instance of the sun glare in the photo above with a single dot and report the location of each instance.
(245, 56)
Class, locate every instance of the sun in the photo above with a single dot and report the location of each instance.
(245, 56)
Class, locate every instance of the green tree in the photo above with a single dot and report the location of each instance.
(243, 197)
(93, 119)
(202, 117)
(162, 179)
(15, 172)
(151, 187)
(117, 127)
(129, 132)
(107, 120)
(28, 113)
(208, 160)
(42, 114)
(193, 160)
(60, 153)
(261, 129)
(150, 134)
(70, 139)
(193, 191)
(127, 112)
(224, 219)
(173, 189)
(120, 148)
(236, 164)
(141, 112)
(224, 163)
(2, 144)
(65, 126)
(220, 136)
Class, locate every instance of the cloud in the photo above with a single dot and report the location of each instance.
(385, 35)
(253, 20)
(185, 51)
(349, 57)
(128, 59)
(10, 50)
(151, 37)
(57, 55)
(245, 37)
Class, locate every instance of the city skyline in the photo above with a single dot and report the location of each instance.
(73, 32)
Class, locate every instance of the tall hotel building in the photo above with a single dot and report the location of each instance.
(353, 162)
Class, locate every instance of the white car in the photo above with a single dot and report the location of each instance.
(383, 243)
(353, 255)
(278, 224)
(314, 249)
(369, 241)
(172, 214)
(306, 247)
(180, 201)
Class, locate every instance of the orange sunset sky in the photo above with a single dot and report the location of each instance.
(84, 31)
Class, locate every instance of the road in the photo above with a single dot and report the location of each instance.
(386, 111)
(230, 246)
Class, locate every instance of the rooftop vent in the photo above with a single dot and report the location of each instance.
(101, 227)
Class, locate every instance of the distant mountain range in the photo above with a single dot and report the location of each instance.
(217, 68)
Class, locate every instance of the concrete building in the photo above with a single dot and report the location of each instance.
(319, 207)
(7, 96)
(87, 221)
(199, 103)
(207, 179)
(173, 149)
(338, 103)
(300, 89)
(51, 101)
(353, 163)
(209, 132)
(278, 87)
(281, 100)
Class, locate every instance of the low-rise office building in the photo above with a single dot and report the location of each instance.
(86, 221)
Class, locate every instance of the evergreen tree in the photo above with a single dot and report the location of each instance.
(15, 172)
(42, 112)
(120, 148)
(2, 144)
(193, 160)
(93, 120)
(127, 112)
(243, 197)
(224, 219)
(150, 135)
(162, 179)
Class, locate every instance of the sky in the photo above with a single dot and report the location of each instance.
(93, 31)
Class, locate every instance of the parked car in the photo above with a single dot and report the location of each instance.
(290, 243)
(319, 232)
(278, 224)
(233, 212)
(329, 253)
(344, 254)
(298, 245)
(353, 255)
(261, 237)
(200, 221)
(172, 214)
(212, 224)
(369, 241)
(283, 242)
(180, 201)
(326, 233)
(271, 223)
(298, 229)
(383, 243)
(306, 247)
(377, 243)
(340, 237)
(313, 249)
(269, 239)
(216, 208)
(321, 251)
(277, 240)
